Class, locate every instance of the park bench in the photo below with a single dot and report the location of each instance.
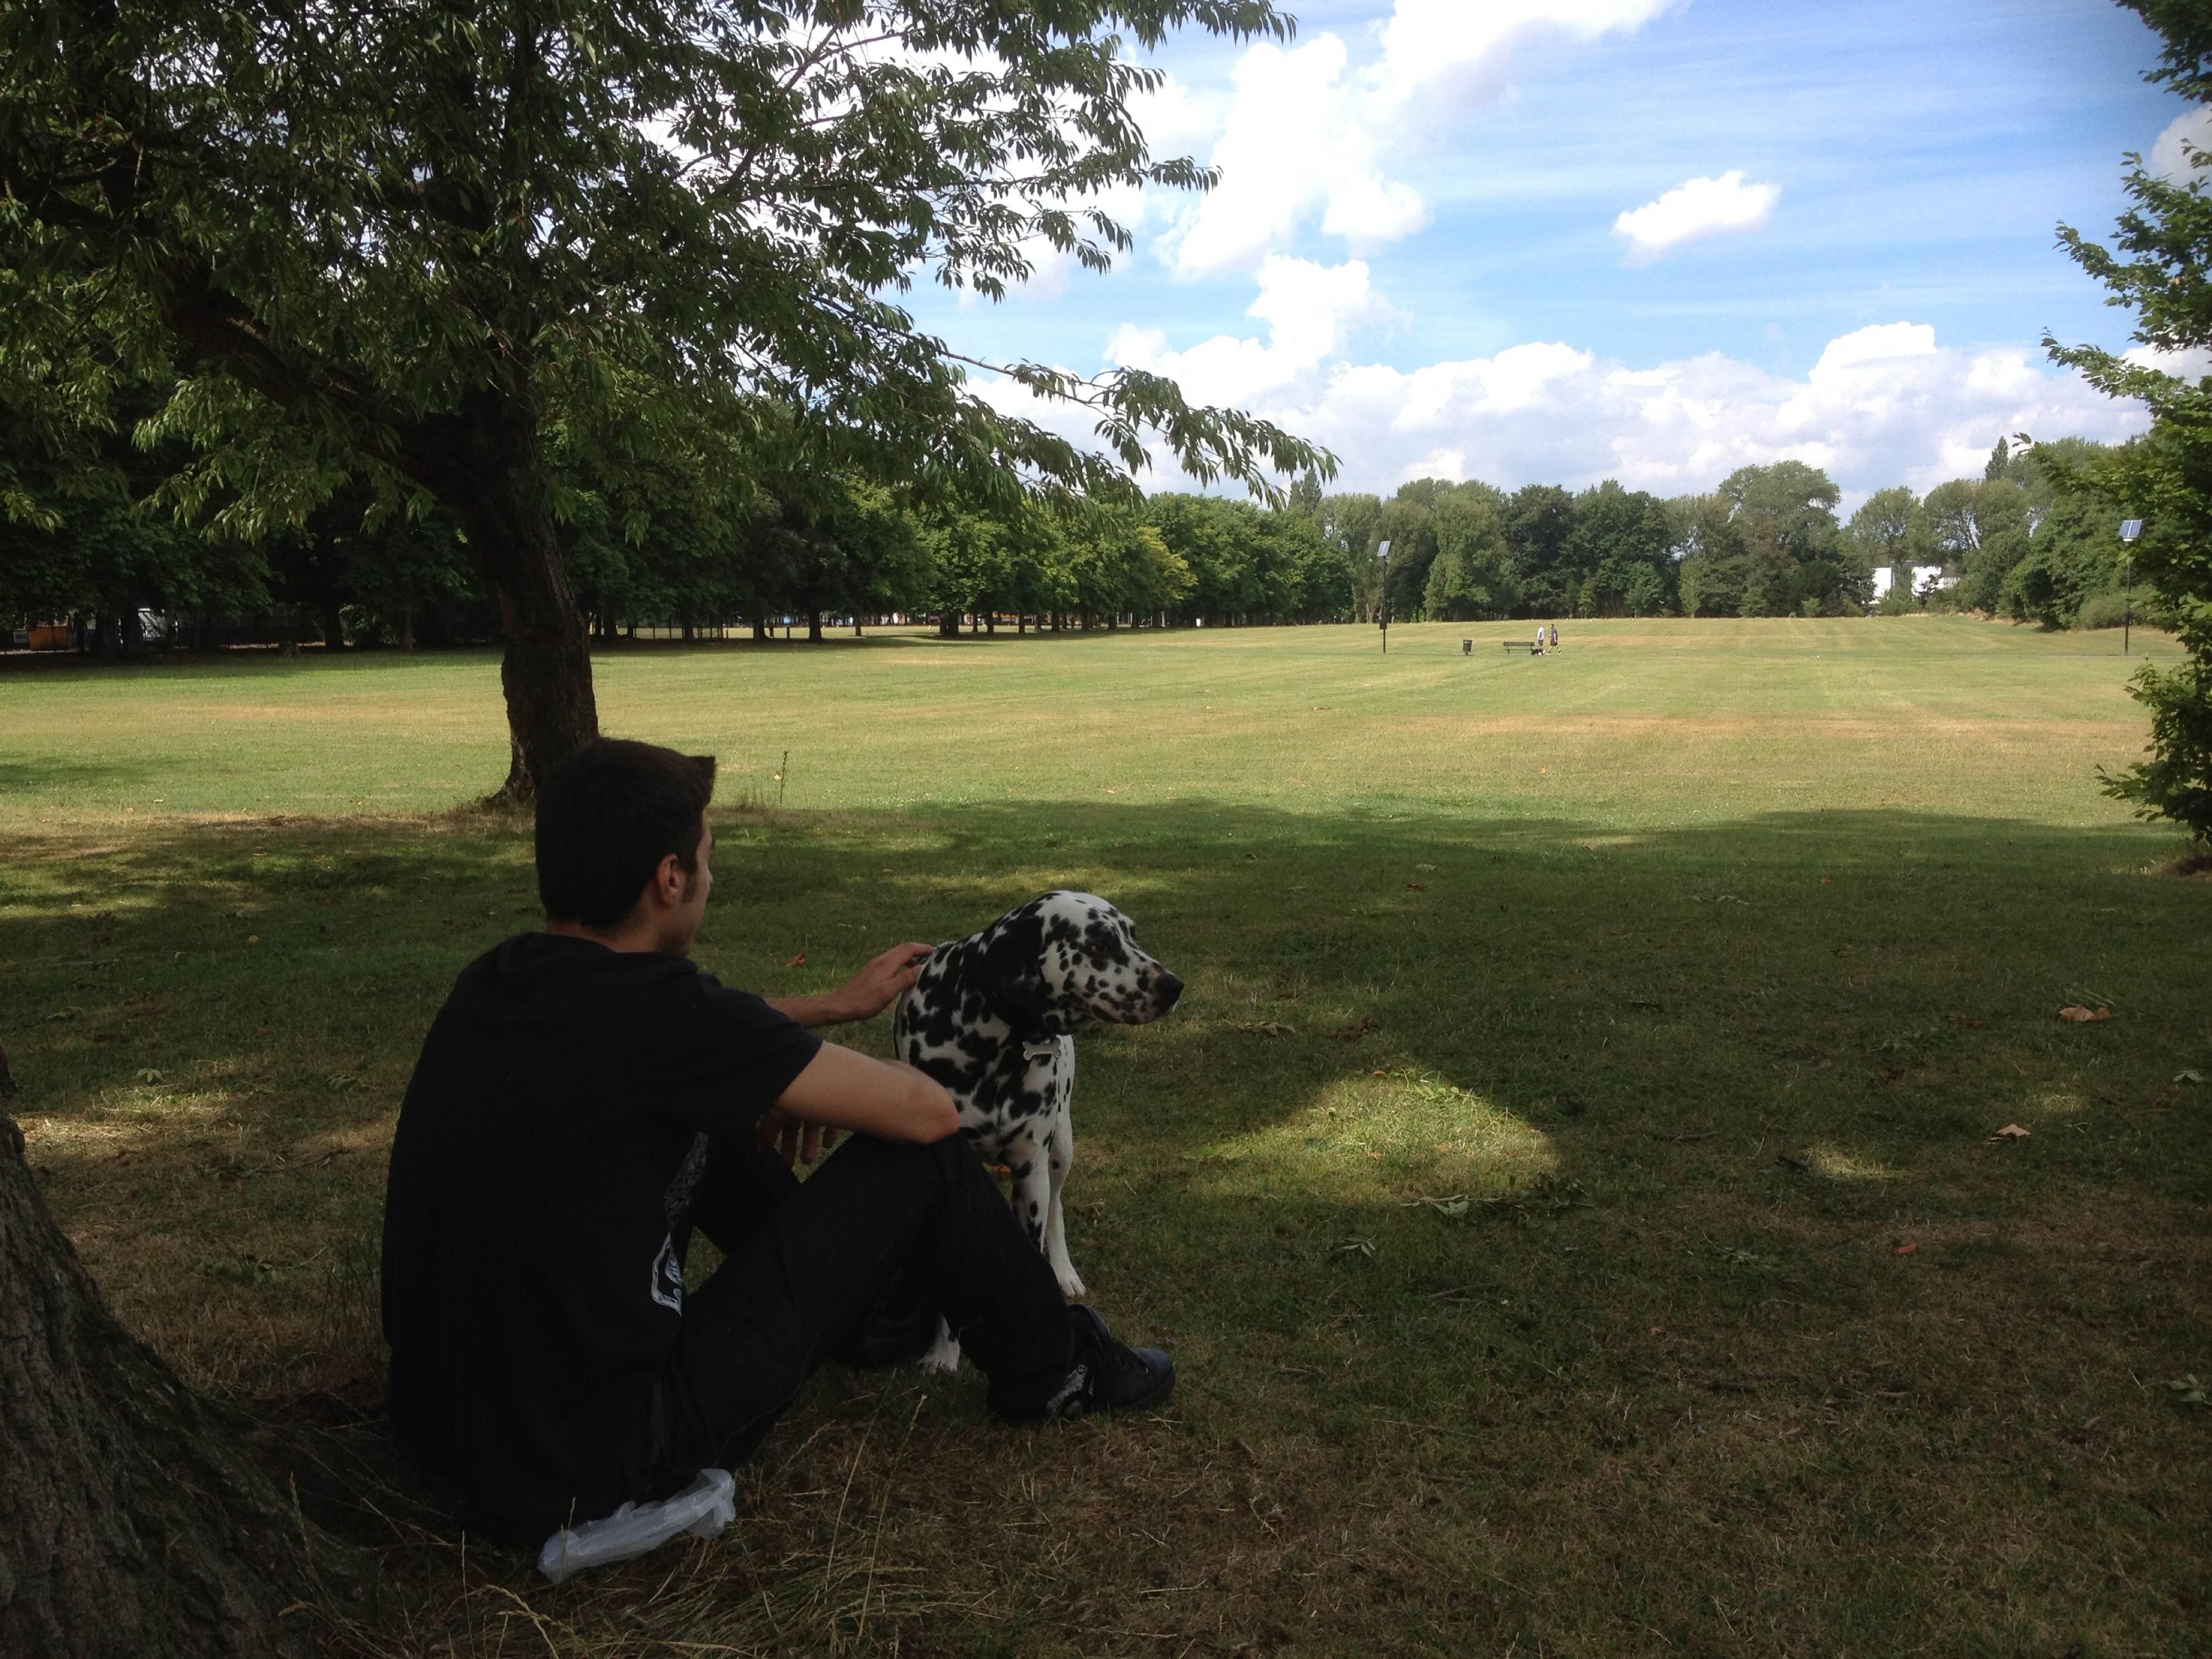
(1530, 645)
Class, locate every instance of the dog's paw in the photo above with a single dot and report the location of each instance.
(944, 1355)
(1071, 1286)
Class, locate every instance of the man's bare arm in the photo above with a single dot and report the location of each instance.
(864, 995)
(842, 1088)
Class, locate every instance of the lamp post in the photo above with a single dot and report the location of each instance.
(1382, 606)
(2130, 529)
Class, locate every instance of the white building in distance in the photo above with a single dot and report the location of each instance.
(1926, 579)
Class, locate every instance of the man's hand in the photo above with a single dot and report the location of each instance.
(791, 1138)
(864, 995)
(876, 986)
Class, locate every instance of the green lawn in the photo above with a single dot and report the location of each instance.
(1565, 1186)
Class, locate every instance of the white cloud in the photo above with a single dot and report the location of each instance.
(1882, 405)
(1311, 311)
(2192, 363)
(1459, 45)
(1307, 135)
(1292, 144)
(2169, 156)
(1695, 208)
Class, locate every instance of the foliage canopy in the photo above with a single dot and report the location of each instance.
(497, 250)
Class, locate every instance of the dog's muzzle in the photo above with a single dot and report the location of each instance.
(1165, 991)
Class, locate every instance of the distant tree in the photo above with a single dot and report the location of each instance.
(1353, 523)
(1708, 550)
(1409, 519)
(1538, 522)
(1472, 577)
(470, 245)
(1890, 529)
(1117, 563)
(1793, 548)
(84, 528)
(1622, 541)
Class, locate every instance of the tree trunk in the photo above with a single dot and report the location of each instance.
(407, 627)
(491, 482)
(814, 627)
(134, 1517)
(948, 625)
(760, 629)
(333, 627)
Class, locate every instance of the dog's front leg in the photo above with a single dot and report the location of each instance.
(1060, 1154)
(1031, 1190)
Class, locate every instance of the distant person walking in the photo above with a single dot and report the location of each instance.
(1539, 639)
(1555, 636)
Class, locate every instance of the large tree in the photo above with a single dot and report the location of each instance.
(472, 243)
(2162, 271)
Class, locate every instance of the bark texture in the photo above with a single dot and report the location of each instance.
(136, 1518)
(487, 471)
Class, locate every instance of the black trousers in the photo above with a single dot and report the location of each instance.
(809, 1263)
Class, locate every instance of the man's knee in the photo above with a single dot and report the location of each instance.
(947, 1160)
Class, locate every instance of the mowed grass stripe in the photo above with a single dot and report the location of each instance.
(1928, 714)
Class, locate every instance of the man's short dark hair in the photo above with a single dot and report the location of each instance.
(607, 817)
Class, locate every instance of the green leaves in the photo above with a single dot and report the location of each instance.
(620, 224)
(2163, 273)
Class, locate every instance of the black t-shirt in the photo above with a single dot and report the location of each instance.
(534, 1283)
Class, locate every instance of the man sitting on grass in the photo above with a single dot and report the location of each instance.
(586, 1099)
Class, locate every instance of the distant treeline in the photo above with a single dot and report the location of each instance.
(96, 548)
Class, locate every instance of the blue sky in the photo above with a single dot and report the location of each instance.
(1418, 253)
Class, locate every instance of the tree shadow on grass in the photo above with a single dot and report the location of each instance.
(1698, 1089)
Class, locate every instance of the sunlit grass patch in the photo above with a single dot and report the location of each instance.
(1381, 1138)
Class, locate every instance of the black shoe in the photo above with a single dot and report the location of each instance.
(1107, 1376)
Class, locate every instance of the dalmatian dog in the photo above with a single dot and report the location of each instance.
(993, 1017)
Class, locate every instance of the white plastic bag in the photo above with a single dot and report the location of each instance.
(702, 1508)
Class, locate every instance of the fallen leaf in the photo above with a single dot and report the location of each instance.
(2078, 1015)
(1907, 1246)
(798, 961)
(2010, 1132)
(253, 938)
(2188, 1391)
(1416, 887)
(1113, 792)
(1454, 1205)
(1352, 1033)
(1261, 1027)
(1356, 1246)
(2189, 1076)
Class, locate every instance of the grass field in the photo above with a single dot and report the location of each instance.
(1566, 1186)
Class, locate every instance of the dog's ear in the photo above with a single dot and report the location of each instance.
(1010, 969)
